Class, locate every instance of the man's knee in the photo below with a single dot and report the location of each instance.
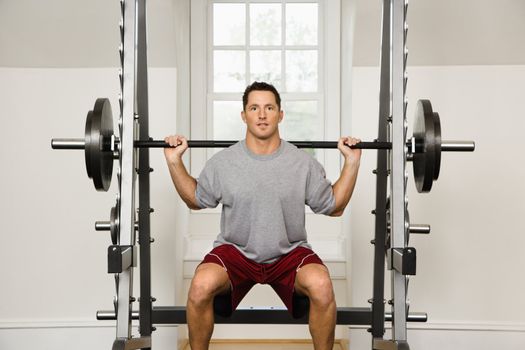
(323, 293)
(317, 284)
(208, 281)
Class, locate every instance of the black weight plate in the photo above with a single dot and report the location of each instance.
(424, 158)
(437, 145)
(98, 153)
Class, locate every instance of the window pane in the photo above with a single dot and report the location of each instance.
(226, 31)
(301, 24)
(265, 24)
(301, 70)
(301, 121)
(227, 122)
(266, 66)
(229, 72)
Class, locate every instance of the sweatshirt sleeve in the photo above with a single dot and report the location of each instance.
(208, 192)
(319, 193)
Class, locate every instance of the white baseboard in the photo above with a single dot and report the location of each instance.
(452, 336)
(73, 334)
(87, 335)
(463, 326)
(50, 324)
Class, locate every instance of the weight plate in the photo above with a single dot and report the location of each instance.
(407, 227)
(98, 153)
(114, 225)
(388, 240)
(424, 157)
(87, 142)
(437, 145)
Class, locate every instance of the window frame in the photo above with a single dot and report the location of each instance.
(329, 78)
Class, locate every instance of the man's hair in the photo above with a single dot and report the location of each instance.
(260, 86)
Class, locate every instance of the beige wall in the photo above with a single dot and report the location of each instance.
(470, 269)
(53, 263)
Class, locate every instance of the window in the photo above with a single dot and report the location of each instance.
(303, 48)
(274, 41)
(294, 44)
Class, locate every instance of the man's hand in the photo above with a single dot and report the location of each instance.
(178, 144)
(352, 155)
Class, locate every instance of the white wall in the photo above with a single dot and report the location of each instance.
(52, 262)
(470, 276)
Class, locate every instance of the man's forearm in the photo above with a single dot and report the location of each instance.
(184, 183)
(344, 187)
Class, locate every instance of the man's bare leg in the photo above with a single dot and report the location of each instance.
(210, 280)
(313, 280)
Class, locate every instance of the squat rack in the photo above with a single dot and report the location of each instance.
(392, 226)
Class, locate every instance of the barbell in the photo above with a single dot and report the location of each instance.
(101, 146)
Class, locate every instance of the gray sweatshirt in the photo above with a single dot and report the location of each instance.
(263, 198)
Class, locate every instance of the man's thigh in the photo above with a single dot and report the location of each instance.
(240, 271)
(284, 273)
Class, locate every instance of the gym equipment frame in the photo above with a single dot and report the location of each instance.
(392, 225)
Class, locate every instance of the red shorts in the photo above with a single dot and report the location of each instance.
(245, 273)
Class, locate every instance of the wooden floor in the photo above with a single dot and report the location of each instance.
(265, 345)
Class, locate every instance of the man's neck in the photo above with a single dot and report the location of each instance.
(263, 146)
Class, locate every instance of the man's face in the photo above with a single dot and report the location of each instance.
(262, 115)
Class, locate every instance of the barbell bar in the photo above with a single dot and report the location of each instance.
(71, 144)
(446, 146)
(101, 146)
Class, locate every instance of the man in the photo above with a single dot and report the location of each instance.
(263, 183)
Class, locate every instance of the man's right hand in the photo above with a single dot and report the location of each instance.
(184, 183)
(178, 144)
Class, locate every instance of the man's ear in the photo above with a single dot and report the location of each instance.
(281, 116)
(243, 117)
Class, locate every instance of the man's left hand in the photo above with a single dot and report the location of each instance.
(350, 154)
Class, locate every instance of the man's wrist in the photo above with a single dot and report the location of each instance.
(175, 161)
(352, 161)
